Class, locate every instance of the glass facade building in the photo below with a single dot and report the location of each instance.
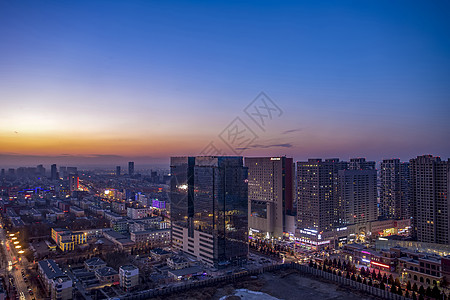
(209, 207)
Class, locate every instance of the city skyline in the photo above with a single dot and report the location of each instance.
(101, 84)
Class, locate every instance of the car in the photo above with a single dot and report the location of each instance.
(30, 292)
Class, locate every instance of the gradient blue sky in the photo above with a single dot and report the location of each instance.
(108, 81)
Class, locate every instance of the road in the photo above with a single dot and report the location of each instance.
(21, 286)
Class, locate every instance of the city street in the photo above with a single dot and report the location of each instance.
(14, 270)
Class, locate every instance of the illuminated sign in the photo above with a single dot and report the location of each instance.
(275, 158)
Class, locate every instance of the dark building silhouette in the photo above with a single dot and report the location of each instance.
(131, 168)
(209, 205)
(53, 172)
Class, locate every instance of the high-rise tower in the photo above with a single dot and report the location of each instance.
(209, 205)
(429, 199)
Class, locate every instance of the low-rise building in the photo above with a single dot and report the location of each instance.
(111, 216)
(57, 284)
(139, 213)
(384, 260)
(66, 239)
(120, 241)
(120, 225)
(78, 212)
(94, 263)
(118, 207)
(107, 275)
(151, 238)
(417, 267)
(178, 262)
(421, 268)
(128, 277)
(159, 254)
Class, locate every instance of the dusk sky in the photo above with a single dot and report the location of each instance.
(103, 82)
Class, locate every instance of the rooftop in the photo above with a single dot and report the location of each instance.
(94, 261)
(159, 251)
(128, 267)
(106, 271)
(50, 268)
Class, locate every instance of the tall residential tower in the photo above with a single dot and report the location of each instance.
(394, 188)
(357, 203)
(270, 195)
(317, 193)
(429, 199)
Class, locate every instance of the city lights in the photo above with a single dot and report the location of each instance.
(237, 148)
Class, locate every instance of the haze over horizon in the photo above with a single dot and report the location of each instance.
(103, 83)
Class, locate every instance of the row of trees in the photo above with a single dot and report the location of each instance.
(269, 248)
(377, 280)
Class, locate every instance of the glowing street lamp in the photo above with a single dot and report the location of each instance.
(21, 252)
(18, 247)
(14, 238)
(16, 242)
(11, 234)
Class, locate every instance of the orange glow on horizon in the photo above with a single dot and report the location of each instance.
(84, 145)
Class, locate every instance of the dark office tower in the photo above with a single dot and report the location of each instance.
(40, 170)
(53, 172)
(131, 168)
(394, 188)
(73, 182)
(118, 171)
(429, 199)
(154, 177)
(270, 190)
(63, 172)
(2, 174)
(209, 205)
(182, 196)
(11, 172)
(317, 193)
(357, 189)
